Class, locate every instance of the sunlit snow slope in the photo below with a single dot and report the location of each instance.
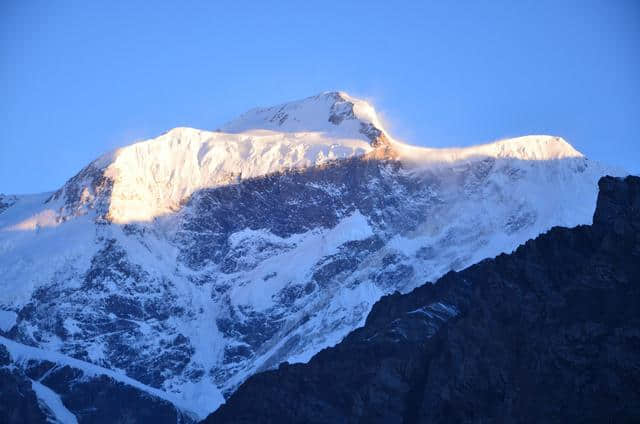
(190, 261)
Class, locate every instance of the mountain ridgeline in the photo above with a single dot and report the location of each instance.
(173, 269)
(549, 333)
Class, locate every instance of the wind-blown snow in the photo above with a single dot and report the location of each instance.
(532, 147)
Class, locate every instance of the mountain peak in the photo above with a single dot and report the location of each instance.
(331, 112)
(152, 178)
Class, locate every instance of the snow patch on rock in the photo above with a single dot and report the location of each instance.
(53, 403)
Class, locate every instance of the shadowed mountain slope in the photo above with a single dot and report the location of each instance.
(549, 333)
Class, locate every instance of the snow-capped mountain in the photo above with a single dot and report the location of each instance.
(190, 261)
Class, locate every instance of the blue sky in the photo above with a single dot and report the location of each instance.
(80, 78)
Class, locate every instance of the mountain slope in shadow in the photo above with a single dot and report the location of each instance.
(549, 333)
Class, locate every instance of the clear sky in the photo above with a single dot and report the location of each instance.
(80, 78)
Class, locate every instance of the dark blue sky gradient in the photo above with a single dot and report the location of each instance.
(80, 78)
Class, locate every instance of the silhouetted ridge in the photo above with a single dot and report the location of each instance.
(546, 334)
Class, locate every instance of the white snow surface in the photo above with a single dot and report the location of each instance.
(295, 264)
(153, 177)
(33, 251)
(311, 115)
(518, 189)
(7, 320)
(53, 402)
(532, 147)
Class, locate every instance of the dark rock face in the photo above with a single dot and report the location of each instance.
(6, 202)
(295, 201)
(340, 110)
(88, 189)
(550, 333)
(102, 400)
(18, 403)
(111, 315)
(91, 398)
